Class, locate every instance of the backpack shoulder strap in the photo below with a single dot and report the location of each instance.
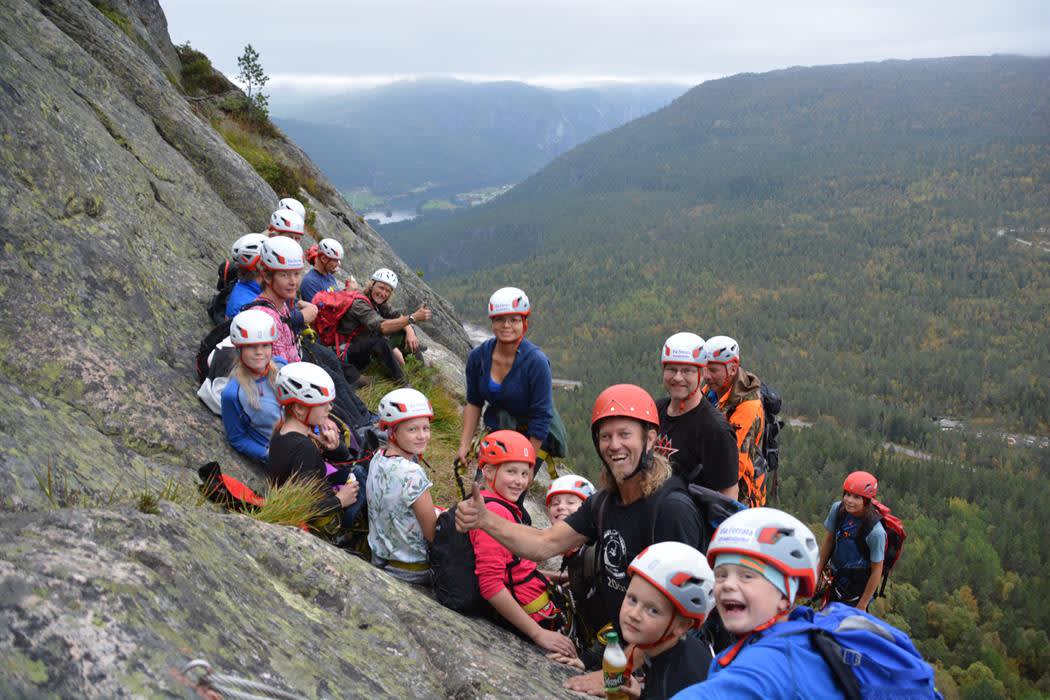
(669, 489)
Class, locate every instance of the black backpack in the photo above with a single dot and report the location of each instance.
(216, 335)
(223, 286)
(452, 563)
(770, 453)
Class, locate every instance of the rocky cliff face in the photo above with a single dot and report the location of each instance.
(111, 604)
(119, 199)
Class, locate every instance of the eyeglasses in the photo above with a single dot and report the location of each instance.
(687, 371)
(510, 320)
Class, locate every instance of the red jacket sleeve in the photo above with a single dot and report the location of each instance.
(490, 557)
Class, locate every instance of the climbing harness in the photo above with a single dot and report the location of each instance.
(210, 684)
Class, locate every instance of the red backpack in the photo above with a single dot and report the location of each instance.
(331, 305)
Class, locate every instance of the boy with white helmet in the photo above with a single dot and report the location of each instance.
(763, 560)
(249, 399)
(326, 260)
(401, 515)
(565, 495)
(372, 326)
(737, 393)
(306, 440)
(669, 594)
(694, 434)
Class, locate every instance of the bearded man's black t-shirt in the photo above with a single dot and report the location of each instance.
(626, 530)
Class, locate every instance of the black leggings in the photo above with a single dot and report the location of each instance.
(361, 350)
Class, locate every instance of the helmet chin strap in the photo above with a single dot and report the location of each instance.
(681, 404)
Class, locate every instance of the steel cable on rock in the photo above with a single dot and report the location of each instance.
(228, 686)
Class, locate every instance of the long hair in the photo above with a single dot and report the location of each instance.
(653, 477)
(246, 378)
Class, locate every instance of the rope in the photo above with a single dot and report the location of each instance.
(228, 686)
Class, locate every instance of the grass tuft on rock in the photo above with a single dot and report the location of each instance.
(295, 502)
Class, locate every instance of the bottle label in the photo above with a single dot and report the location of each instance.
(614, 681)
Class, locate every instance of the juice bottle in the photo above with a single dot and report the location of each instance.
(614, 668)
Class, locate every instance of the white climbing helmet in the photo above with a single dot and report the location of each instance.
(246, 249)
(285, 222)
(509, 300)
(281, 253)
(252, 327)
(304, 383)
(683, 349)
(293, 204)
(386, 276)
(570, 484)
(331, 248)
(721, 350)
(401, 405)
(681, 573)
(774, 537)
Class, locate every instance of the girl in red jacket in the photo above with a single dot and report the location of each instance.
(513, 587)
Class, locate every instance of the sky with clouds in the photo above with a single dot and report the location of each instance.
(332, 45)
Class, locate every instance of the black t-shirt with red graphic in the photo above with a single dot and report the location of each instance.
(700, 444)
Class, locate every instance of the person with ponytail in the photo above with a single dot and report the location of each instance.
(401, 515)
(511, 375)
(305, 442)
(249, 401)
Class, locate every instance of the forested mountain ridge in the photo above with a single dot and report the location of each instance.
(841, 222)
(456, 135)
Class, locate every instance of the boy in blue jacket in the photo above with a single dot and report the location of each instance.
(763, 559)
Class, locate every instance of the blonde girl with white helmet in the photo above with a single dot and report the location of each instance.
(306, 441)
(249, 400)
(401, 515)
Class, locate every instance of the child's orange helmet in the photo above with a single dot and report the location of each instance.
(505, 446)
(861, 484)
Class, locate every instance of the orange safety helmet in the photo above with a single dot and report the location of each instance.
(505, 446)
(625, 401)
(861, 484)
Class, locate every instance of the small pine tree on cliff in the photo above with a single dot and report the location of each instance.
(253, 78)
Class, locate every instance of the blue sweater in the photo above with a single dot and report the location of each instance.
(525, 392)
(314, 282)
(243, 293)
(248, 429)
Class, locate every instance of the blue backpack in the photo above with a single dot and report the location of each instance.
(870, 659)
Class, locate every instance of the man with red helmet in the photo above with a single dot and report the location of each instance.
(641, 502)
(855, 545)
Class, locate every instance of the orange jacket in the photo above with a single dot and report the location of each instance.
(742, 406)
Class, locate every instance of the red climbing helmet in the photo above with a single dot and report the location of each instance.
(625, 401)
(505, 446)
(861, 484)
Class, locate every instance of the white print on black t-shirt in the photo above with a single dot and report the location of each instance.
(614, 551)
